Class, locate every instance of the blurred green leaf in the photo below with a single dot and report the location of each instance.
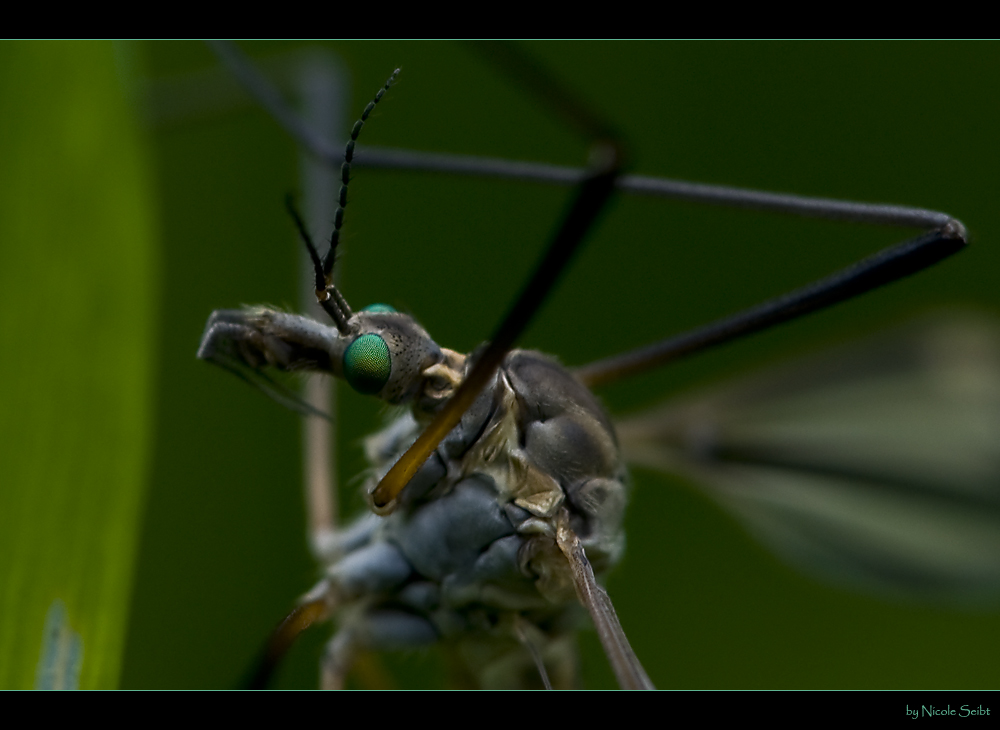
(77, 319)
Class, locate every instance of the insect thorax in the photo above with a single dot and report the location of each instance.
(470, 557)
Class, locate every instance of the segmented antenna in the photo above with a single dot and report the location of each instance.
(345, 176)
(327, 294)
(335, 306)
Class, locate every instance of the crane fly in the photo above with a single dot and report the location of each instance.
(598, 344)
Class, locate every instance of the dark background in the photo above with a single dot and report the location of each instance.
(223, 553)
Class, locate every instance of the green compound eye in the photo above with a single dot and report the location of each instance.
(367, 364)
(380, 309)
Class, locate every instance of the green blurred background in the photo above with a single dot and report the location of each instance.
(222, 553)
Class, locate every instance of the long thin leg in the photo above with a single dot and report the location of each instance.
(626, 666)
(948, 234)
(884, 267)
(723, 195)
(301, 618)
(593, 195)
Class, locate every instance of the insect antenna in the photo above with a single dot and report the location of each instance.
(333, 304)
(345, 177)
(327, 294)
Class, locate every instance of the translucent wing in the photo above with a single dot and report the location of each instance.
(877, 466)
